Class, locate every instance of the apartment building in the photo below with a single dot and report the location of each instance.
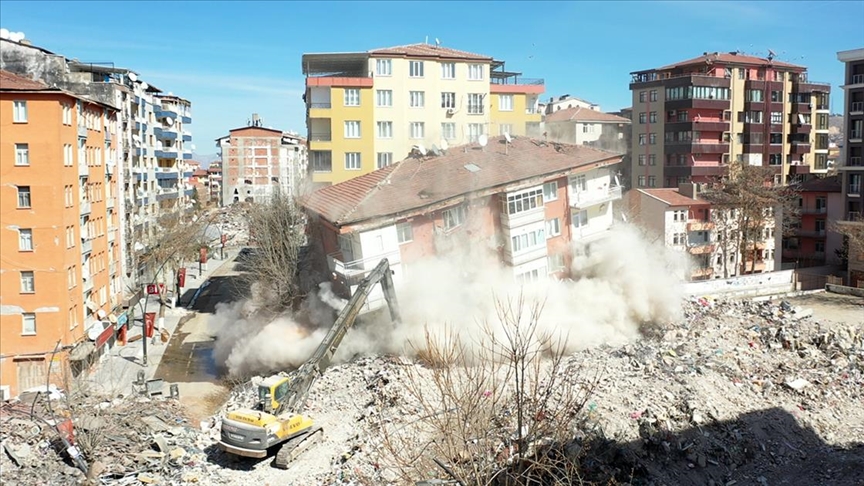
(564, 102)
(522, 204)
(143, 128)
(688, 223)
(852, 166)
(366, 110)
(259, 161)
(584, 126)
(812, 242)
(59, 243)
(691, 118)
(214, 183)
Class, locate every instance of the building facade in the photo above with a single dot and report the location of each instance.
(852, 166)
(811, 241)
(214, 183)
(522, 204)
(59, 241)
(366, 110)
(688, 223)
(583, 126)
(690, 119)
(258, 162)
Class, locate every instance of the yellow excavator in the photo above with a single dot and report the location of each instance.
(277, 419)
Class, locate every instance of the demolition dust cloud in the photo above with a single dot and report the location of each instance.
(625, 282)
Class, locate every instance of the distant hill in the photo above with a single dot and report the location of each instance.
(205, 159)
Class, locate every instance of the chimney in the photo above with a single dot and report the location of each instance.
(689, 189)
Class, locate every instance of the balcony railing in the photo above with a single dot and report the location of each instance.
(808, 210)
(324, 106)
(584, 199)
(854, 189)
(519, 81)
(854, 162)
(83, 170)
(84, 208)
(321, 136)
(857, 79)
(811, 233)
(700, 248)
(697, 225)
(854, 216)
(86, 245)
(82, 131)
(358, 268)
(855, 135)
(856, 106)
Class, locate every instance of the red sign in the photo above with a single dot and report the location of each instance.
(203, 255)
(161, 288)
(152, 289)
(105, 336)
(181, 277)
(149, 323)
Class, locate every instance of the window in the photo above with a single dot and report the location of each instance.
(652, 159)
(529, 240)
(70, 236)
(579, 183)
(417, 99)
(321, 160)
(652, 138)
(776, 138)
(67, 155)
(550, 191)
(448, 131)
(642, 117)
(776, 118)
(404, 233)
(23, 196)
(448, 70)
(25, 240)
(67, 114)
(641, 181)
(580, 218)
(753, 95)
(653, 95)
(453, 217)
(505, 102)
(384, 97)
(383, 67)
(384, 159)
(352, 97)
(652, 117)
(587, 128)
(474, 131)
(679, 215)
(524, 201)
(776, 96)
(505, 128)
(448, 100)
(352, 129)
(642, 97)
(22, 154)
(553, 227)
(28, 284)
(418, 129)
(555, 262)
(642, 138)
(679, 239)
(642, 159)
(28, 324)
(652, 181)
(415, 69)
(385, 129)
(475, 72)
(19, 113)
(775, 159)
(352, 160)
(475, 103)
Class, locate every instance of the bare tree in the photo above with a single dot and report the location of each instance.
(750, 200)
(501, 412)
(278, 230)
(853, 238)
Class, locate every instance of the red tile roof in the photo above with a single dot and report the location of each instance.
(672, 197)
(729, 58)
(429, 51)
(13, 82)
(580, 114)
(199, 173)
(823, 184)
(414, 184)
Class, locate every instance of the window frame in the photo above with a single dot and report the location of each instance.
(22, 155)
(415, 125)
(352, 157)
(379, 63)
(387, 155)
(28, 238)
(417, 99)
(387, 94)
(502, 106)
(384, 129)
(24, 276)
(416, 69)
(22, 191)
(351, 97)
(349, 133)
(475, 72)
(25, 316)
(453, 217)
(448, 66)
(550, 193)
(19, 107)
(400, 232)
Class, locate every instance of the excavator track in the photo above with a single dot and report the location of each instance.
(296, 446)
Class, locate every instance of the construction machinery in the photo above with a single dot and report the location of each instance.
(277, 419)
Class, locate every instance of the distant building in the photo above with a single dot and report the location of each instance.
(258, 162)
(564, 102)
(852, 167)
(694, 117)
(59, 242)
(686, 222)
(522, 204)
(811, 243)
(369, 109)
(583, 126)
(214, 183)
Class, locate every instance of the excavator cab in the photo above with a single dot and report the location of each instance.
(272, 393)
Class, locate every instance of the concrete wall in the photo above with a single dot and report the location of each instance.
(743, 286)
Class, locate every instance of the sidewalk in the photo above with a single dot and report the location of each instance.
(120, 367)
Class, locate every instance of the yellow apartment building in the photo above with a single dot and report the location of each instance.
(59, 255)
(367, 110)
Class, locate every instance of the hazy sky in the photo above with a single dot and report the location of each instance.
(231, 59)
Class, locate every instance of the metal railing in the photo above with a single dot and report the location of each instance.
(854, 134)
(856, 106)
(854, 162)
(583, 199)
(857, 79)
(320, 105)
(321, 136)
(361, 266)
(809, 210)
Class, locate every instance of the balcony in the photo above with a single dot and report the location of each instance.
(167, 194)
(698, 225)
(165, 134)
(811, 210)
(166, 173)
(584, 199)
(186, 119)
(110, 202)
(141, 126)
(320, 106)
(522, 218)
(165, 154)
(701, 249)
(187, 137)
(701, 272)
(320, 136)
(83, 170)
(86, 245)
(709, 104)
(107, 135)
(810, 233)
(164, 113)
(856, 79)
(187, 155)
(82, 131)
(189, 192)
(112, 235)
(855, 135)
(854, 189)
(854, 162)
(140, 152)
(517, 85)
(354, 271)
(799, 169)
(88, 285)
(84, 208)
(525, 256)
(800, 148)
(112, 268)
(110, 167)
(697, 147)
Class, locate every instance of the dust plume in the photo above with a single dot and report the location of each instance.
(620, 285)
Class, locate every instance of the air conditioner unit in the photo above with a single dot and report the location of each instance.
(451, 111)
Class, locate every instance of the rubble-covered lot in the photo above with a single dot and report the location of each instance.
(735, 393)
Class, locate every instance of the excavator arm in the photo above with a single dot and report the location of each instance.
(306, 375)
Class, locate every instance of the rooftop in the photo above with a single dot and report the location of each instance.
(823, 184)
(13, 82)
(734, 58)
(580, 114)
(414, 184)
(672, 197)
(428, 51)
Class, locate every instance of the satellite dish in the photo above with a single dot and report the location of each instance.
(508, 138)
(444, 144)
(169, 121)
(483, 140)
(144, 85)
(437, 42)
(421, 149)
(132, 77)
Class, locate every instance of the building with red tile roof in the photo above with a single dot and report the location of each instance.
(584, 126)
(532, 197)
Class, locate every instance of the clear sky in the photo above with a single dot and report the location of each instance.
(231, 59)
